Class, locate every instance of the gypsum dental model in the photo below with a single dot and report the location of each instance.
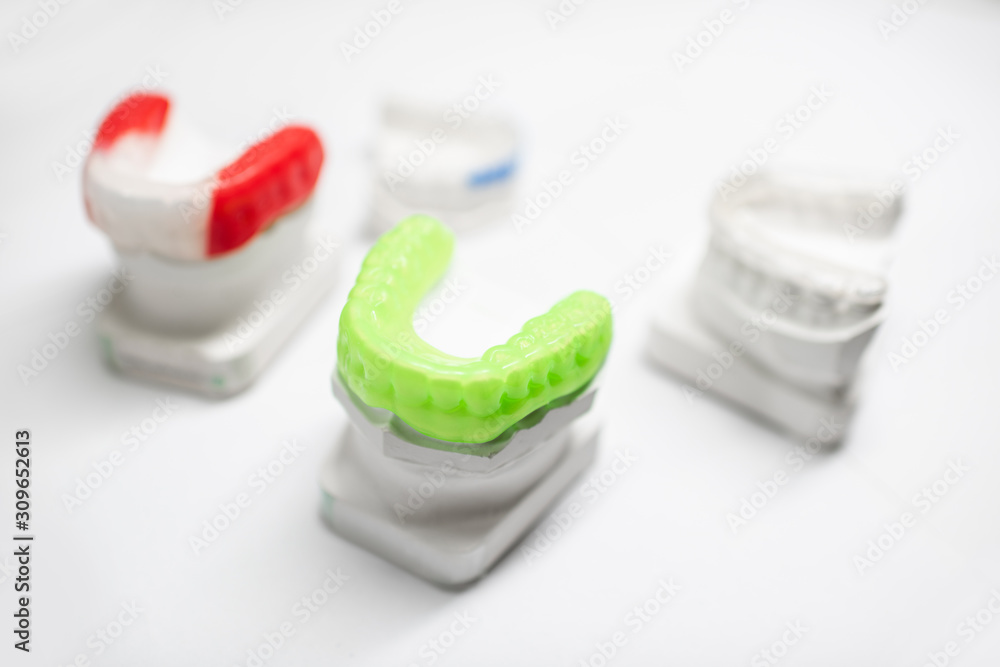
(448, 461)
(206, 305)
(793, 283)
(457, 168)
(788, 235)
(196, 220)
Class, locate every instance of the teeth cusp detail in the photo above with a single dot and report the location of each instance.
(464, 400)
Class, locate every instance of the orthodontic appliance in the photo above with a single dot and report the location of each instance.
(459, 169)
(206, 306)
(448, 461)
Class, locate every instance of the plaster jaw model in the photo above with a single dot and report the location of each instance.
(789, 293)
(205, 255)
(459, 169)
(496, 438)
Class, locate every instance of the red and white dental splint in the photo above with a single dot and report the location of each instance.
(198, 220)
(222, 268)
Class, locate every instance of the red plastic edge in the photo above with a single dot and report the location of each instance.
(270, 179)
(140, 112)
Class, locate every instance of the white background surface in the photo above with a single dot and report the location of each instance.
(666, 516)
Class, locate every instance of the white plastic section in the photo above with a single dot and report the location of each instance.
(793, 237)
(683, 345)
(155, 193)
(806, 354)
(445, 516)
(212, 326)
(465, 180)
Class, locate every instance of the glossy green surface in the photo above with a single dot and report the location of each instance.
(388, 365)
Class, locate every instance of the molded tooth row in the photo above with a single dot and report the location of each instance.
(819, 296)
(530, 363)
(386, 364)
(753, 266)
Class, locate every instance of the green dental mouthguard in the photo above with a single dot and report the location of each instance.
(387, 365)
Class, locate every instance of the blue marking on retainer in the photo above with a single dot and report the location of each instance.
(499, 172)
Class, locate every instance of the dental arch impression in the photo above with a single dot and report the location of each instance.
(204, 234)
(199, 220)
(463, 400)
